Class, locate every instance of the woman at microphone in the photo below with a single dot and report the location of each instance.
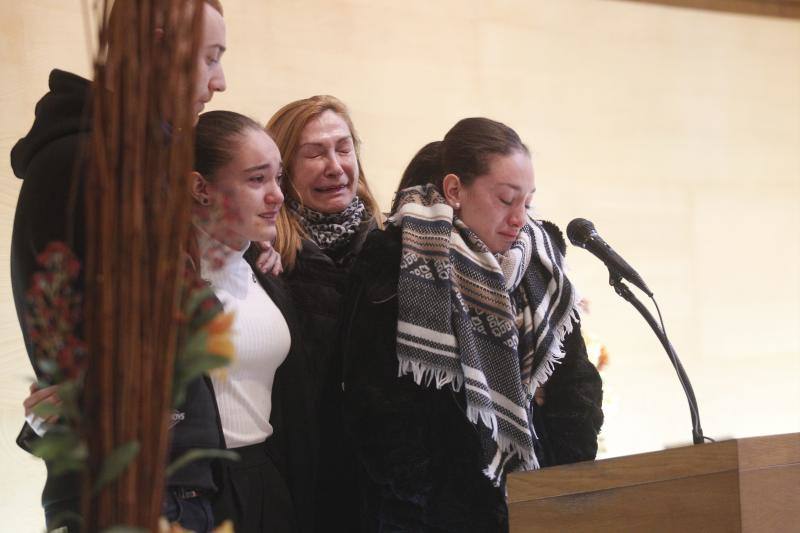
(461, 339)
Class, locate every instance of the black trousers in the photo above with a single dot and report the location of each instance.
(255, 494)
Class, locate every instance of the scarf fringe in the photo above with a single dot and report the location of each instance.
(497, 480)
(440, 377)
(556, 352)
(504, 442)
(487, 418)
(424, 375)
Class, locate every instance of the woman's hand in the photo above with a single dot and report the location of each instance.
(38, 396)
(269, 261)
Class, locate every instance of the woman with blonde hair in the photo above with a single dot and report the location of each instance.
(329, 211)
(301, 129)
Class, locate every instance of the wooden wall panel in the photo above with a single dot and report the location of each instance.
(765, 8)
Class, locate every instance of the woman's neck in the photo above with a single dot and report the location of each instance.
(223, 236)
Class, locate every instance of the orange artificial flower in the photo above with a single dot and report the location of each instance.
(219, 335)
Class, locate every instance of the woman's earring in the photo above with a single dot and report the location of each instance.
(205, 201)
(457, 206)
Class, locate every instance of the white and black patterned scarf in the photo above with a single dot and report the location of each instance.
(458, 304)
(330, 231)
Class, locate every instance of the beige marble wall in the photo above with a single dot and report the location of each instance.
(676, 131)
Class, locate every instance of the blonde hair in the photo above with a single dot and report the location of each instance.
(285, 128)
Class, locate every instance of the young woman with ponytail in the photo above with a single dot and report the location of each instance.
(263, 398)
(463, 359)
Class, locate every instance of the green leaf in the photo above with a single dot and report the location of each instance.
(196, 297)
(194, 455)
(56, 443)
(46, 409)
(115, 463)
(200, 365)
(189, 369)
(198, 317)
(64, 465)
(178, 394)
(195, 344)
(62, 448)
(69, 391)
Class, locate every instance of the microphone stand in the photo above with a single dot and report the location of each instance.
(616, 281)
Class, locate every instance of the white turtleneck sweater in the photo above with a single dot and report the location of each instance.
(260, 336)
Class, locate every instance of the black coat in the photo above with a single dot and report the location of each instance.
(317, 283)
(420, 457)
(294, 441)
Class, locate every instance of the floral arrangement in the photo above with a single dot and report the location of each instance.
(53, 321)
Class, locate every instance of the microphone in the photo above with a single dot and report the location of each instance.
(581, 232)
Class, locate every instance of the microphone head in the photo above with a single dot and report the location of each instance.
(579, 231)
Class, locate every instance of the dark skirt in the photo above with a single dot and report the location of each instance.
(254, 493)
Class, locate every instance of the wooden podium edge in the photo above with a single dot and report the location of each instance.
(769, 483)
(653, 467)
(745, 485)
(620, 472)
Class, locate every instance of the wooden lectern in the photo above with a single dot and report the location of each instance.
(737, 485)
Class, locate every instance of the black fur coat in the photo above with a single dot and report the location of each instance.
(419, 456)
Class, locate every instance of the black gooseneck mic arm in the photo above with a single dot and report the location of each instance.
(619, 286)
(582, 233)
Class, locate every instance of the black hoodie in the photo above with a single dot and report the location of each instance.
(47, 160)
(50, 203)
(50, 159)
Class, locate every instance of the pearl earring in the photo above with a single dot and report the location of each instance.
(457, 205)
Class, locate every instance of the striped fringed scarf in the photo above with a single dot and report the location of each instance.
(458, 305)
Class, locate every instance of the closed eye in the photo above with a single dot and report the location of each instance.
(344, 146)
